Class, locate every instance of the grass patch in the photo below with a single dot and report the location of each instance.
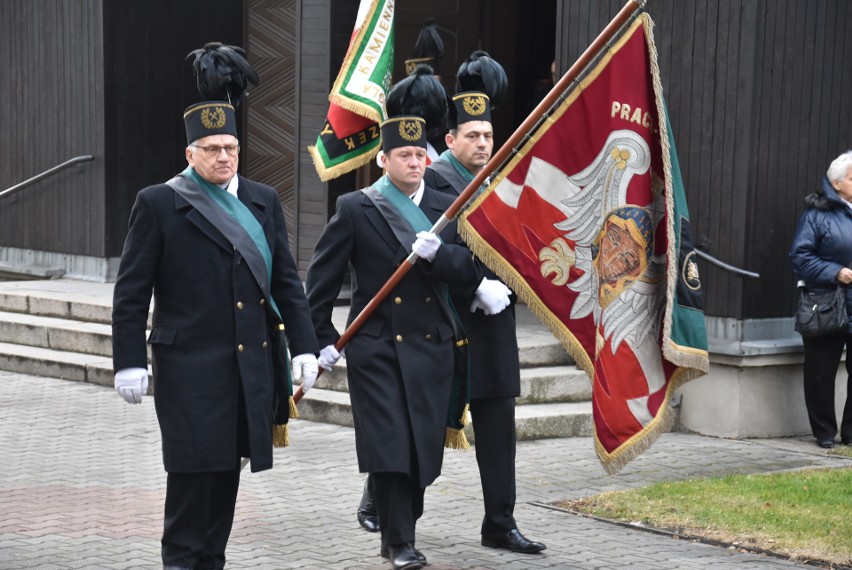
(802, 514)
(842, 450)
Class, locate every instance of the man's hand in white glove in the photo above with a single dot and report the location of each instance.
(329, 356)
(305, 367)
(491, 296)
(426, 245)
(131, 384)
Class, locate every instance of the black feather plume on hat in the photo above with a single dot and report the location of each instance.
(429, 42)
(482, 73)
(222, 72)
(419, 94)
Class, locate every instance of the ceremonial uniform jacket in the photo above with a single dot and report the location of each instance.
(495, 366)
(211, 326)
(400, 363)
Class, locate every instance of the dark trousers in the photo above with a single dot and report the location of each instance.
(494, 431)
(822, 357)
(198, 518)
(399, 503)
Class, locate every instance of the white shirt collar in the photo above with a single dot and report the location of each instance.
(232, 186)
(418, 195)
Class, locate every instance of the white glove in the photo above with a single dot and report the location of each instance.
(131, 384)
(426, 245)
(305, 367)
(492, 296)
(328, 357)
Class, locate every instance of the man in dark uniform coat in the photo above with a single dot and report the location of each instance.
(400, 362)
(495, 379)
(218, 293)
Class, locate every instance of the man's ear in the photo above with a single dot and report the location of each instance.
(450, 140)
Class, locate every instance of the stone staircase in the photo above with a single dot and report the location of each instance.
(60, 329)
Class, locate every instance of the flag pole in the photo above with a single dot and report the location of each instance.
(496, 160)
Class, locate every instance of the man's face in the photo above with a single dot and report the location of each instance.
(405, 166)
(215, 167)
(472, 144)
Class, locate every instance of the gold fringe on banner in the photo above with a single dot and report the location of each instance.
(326, 174)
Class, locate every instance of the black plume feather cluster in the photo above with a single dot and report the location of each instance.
(481, 73)
(419, 94)
(222, 72)
(429, 42)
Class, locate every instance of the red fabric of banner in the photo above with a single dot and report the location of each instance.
(577, 223)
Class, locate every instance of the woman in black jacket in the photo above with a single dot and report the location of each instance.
(821, 255)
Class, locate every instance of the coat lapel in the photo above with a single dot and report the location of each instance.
(379, 224)
(247, 194)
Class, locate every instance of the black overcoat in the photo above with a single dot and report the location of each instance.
(495, 367)
(211, 325)
(400, 363)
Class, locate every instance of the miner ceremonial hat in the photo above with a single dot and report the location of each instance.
(428, 49)
(406, 130)
(222, 76)
(481, 83)
(414, 105)
(209, 118)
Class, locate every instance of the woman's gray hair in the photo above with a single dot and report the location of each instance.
(839, 166)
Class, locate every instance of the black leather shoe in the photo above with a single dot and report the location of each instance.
(825, 443)
(404, 557)
(368, 518)
(420, 556)
(512, 540)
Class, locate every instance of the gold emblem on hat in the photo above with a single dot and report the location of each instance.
(474, 105)
(410, 130)
(213, 118)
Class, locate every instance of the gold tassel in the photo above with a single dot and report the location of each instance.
(455, 439)
(465, 419)
(280, 435)
(294, 413)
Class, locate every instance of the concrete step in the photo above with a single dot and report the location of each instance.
(65, 365)
(543, 384)
(29, 271)
(56, 333)
(46, 303)
(532, 421)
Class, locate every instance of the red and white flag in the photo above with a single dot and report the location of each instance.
(588, 224)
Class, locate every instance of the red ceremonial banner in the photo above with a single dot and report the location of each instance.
(581, 225)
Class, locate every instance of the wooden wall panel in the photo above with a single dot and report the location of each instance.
(273, 120)
(147, 85)
(314, 45)
(52, 97)
(801, 124)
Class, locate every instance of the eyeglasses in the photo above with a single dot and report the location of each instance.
(214, 150)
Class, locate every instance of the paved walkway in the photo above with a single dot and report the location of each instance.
(81, 486)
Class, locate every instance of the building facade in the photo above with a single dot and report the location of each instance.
(755, 89)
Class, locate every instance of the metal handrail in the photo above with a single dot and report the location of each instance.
(46, 173)
(726, 266)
